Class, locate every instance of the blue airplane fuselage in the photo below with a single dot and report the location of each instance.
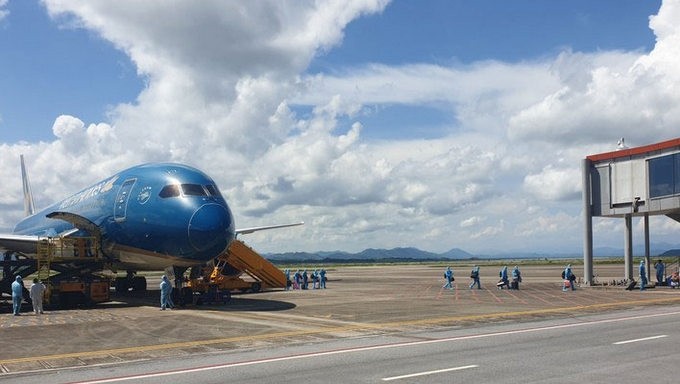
(148, 217)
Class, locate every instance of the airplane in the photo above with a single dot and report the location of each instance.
(149, 217)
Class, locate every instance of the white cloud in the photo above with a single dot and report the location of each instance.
(224, 80)
(554, 184)
(3, 11)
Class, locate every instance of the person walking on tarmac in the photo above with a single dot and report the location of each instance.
(569, 277)
(516, 278)
(17, 295)
(37, 292)
(448, 276)
(643, 275)
(166, 294)
(503, 274)
(474, 275)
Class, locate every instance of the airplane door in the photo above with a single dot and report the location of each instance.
(120, 207)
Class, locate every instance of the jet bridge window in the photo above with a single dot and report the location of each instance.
(193, 190)
(664, 175)
(169, 191)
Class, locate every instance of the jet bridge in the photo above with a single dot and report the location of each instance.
(627, 183)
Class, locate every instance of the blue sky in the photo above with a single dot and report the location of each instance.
(389, 123)
(50, 69)
(444, 31)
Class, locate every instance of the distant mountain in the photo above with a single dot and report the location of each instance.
(415, 254)
(365, 255)
(456, 253)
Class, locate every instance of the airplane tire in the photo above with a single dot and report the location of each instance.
(122, 285)
(226, 297)
(187, 296)
(139, 283)
(256, 287)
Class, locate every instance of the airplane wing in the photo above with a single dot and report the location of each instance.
(244, 231)
(19, 243)
(26, 244)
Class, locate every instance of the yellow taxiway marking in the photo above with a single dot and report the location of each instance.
(344, 328)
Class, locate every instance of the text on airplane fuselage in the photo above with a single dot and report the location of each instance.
(94, 190)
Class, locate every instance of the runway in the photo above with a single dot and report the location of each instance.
(380, 304)
(593, 349)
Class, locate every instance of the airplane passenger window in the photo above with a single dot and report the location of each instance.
(193, 190)
(169, 191)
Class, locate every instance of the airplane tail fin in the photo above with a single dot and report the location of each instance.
(29, 207)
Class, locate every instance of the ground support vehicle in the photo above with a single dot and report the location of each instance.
(215, 281)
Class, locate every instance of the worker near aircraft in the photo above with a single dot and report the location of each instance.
(516, 278)
(298, 280)
(643, 275)
(660, 272)
(322, 279)
(288, 282)
(315, 279)
(569, 276)
(503, 274)
(448, 277)
(166, 293)
(37, 293)
(305, 279)
(17, 295)
(474, 275)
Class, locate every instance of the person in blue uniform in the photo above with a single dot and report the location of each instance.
(503, 274)
(569, 276)
(166, 293)
(643, 276)
(17, 295)
(322, 278)
(516, 278)
(660, 272)
(305, 279)
(448, 277)
(474, 275)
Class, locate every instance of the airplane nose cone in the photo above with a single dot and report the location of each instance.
(209, 228)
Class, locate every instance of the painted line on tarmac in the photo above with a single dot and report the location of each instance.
(536, 296)
(325, 330)
(515, 296)
(498, 299)
(429, 372)
(642, 339)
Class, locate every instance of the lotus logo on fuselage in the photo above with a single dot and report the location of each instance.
(144, 195)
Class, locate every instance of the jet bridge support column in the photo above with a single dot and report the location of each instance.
(647, 255)
(628, 247)
(588, 225)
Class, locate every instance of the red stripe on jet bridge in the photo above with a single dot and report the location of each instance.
(634, 151)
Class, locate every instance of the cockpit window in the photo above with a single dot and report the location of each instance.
(213, 191)
(193, 190)
(169, 191)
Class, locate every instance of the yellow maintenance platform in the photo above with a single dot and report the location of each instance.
(215, 283)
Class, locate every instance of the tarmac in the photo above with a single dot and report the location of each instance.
(359, 301)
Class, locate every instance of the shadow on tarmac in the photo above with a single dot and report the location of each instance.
(152, 298)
